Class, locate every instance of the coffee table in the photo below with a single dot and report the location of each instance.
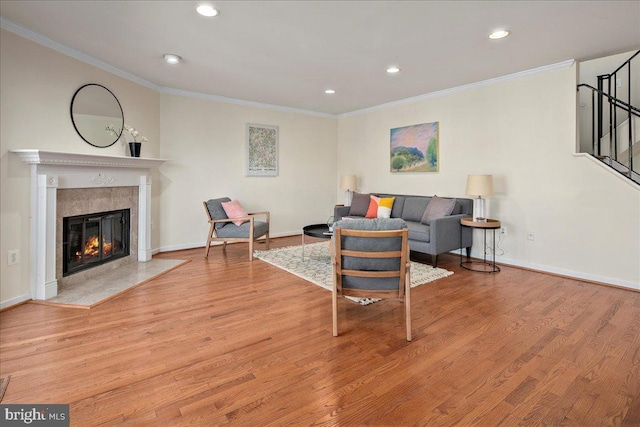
(315, 230)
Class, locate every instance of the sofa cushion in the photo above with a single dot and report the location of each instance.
(438, 207)
(414, 208)
(419, 231)
(259, 228)
(359, 204)
(457, 209)
(380, 207)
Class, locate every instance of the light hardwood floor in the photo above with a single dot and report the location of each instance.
(224, 341)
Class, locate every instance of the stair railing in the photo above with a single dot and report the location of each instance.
(606, 91)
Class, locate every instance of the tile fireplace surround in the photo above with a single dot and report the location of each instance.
(51, 171)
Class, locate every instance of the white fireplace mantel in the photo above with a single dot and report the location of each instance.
(51, 170)
(56, 158)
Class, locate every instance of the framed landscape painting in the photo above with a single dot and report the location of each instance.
(261, 150)
(415, 148)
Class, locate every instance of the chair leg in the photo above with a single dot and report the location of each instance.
(251, 249)
(206, 251)
(468, 249)
(334, 302)
(434, 260)
(267, 238)
(407, 306)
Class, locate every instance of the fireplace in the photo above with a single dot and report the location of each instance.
(54, 173)
(94, 239)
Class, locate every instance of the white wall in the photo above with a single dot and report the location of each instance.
(204, 141)
(586, 221)
(37, 84)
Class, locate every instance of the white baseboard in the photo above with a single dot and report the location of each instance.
(202, 244)
(14, 301)
(552, 270)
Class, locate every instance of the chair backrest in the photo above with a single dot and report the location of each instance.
(370, 257)
(215, 211)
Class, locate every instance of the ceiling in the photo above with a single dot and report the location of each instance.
(286, 53)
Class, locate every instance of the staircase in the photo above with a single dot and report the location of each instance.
(615, 120)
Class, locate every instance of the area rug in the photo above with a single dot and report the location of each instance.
(316, 266)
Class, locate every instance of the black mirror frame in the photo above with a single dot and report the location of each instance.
(74, 122)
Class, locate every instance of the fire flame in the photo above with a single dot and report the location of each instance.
(92, 247)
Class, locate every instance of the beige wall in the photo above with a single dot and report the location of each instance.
(586, 221)
(204, 141)
(523, 131)
(36, 87)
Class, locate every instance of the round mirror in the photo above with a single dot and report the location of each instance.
(97, 115)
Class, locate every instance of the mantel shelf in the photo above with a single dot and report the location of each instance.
(56, 158)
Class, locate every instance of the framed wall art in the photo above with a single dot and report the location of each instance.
(415, 148)
(261, 150)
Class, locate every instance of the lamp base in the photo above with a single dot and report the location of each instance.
(349, 198)
(478, 210)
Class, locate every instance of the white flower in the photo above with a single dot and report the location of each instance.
(134, 133)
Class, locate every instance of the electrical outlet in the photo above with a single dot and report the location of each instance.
(13, 257)
(503, 230)
(531, 235)
(618, 82)
(151, 225)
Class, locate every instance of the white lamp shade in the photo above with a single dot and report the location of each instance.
(348, 182)
(480, 185)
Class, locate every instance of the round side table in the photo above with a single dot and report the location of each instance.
(481, 266)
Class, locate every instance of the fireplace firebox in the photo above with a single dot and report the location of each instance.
(94, 239)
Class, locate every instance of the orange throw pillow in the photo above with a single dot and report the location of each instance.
(372, 212)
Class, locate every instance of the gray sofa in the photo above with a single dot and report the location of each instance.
(432, 236)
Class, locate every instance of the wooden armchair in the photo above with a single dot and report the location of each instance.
(370, 258)
(222, 229)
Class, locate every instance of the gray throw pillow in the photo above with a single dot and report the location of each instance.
(438, 208)
(359, 204)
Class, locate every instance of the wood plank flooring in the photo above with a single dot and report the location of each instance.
(227, 342)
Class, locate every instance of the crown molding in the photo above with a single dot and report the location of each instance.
(81, 56)
(218, 98)
(8, 25)
(457, 89)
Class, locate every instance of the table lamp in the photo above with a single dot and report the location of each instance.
(479, 185)
(348, 183)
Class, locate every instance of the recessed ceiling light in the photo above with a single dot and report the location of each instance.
(330, 91)
(171, 58)
(393, 70)
(207, 10)
(500, 34)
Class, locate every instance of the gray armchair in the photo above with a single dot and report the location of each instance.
(222, 229)
(370, 258)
